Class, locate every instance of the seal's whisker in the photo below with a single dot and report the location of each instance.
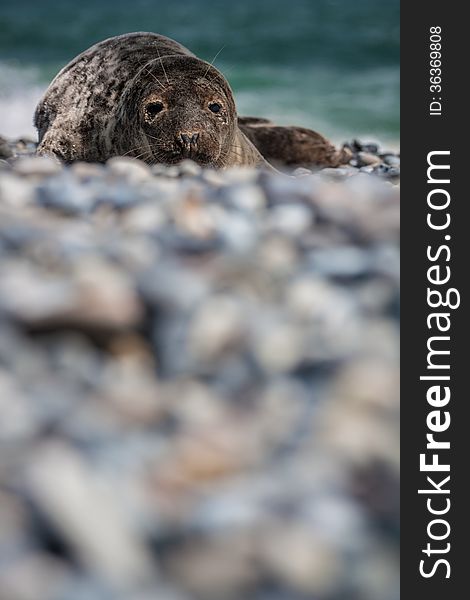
(162, 146)
(153, 137)
(213, 60)
(144, 154)
(163, 66)
(129, 152)
(135, 149)
(227, 70)
(152, 75)
(147, 150)
(146, 147)
(142, 75)
(235, 150)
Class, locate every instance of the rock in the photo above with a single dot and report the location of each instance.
(64, 194)
(279, 346)
(341, 262)
(145, 218)
(245, 196)
(213, 177)
(133, 170)
(19, 423)
(40, 166)
(34, 576)
(371, 148)
(189, 167)
(217, 328)
(304, 564)
(210, 569)
(392, 160)
(15, 191)
(301, 172)
(339, 173)
(96, 295)
(5, 150)
(366, 159)
(358, 146)
(277, 254)
(292, 219)
(387, 172)
(87, 171)
(78, 505)
(195, 365)
(172, 171)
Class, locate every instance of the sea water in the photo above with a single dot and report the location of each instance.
(332, 65)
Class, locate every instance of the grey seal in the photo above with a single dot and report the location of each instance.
(146, 96)
(292, 146)
(142, 95)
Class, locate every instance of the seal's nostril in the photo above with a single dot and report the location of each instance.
(189, 139)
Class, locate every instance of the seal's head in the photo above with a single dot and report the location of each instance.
(184, 108)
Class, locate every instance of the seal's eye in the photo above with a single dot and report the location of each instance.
(215, 107)
(153, 108)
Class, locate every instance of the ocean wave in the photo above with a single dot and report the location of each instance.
(339, 104)
(20, 90)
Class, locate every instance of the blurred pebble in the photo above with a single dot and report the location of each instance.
(198, 380)
(5, 150)
(366, 159)
(38, 165)
(392, 160)
(339, 173)
(134, 171)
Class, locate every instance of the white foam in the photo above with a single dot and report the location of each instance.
(20, 91)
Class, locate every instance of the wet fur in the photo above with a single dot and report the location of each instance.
(292, 146)
(95, 109)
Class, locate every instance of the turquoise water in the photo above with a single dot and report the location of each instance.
(328, 64)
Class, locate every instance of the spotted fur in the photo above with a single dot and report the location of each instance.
(100, 106)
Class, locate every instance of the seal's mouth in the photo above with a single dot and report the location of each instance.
(188, 146)
(201, 148)
(188, 153)
(178, 153)
(177, 156)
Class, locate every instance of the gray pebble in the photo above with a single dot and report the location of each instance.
(366, 159)
(194, 365)
(5, 150)
(392, 160)
(133, 170)
(40, 166)
(338, 173)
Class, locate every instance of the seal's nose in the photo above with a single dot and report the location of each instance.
(187, 143)
(189, 139)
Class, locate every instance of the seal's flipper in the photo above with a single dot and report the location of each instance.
(293, 146)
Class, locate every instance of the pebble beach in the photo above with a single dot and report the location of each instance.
(198, 380)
